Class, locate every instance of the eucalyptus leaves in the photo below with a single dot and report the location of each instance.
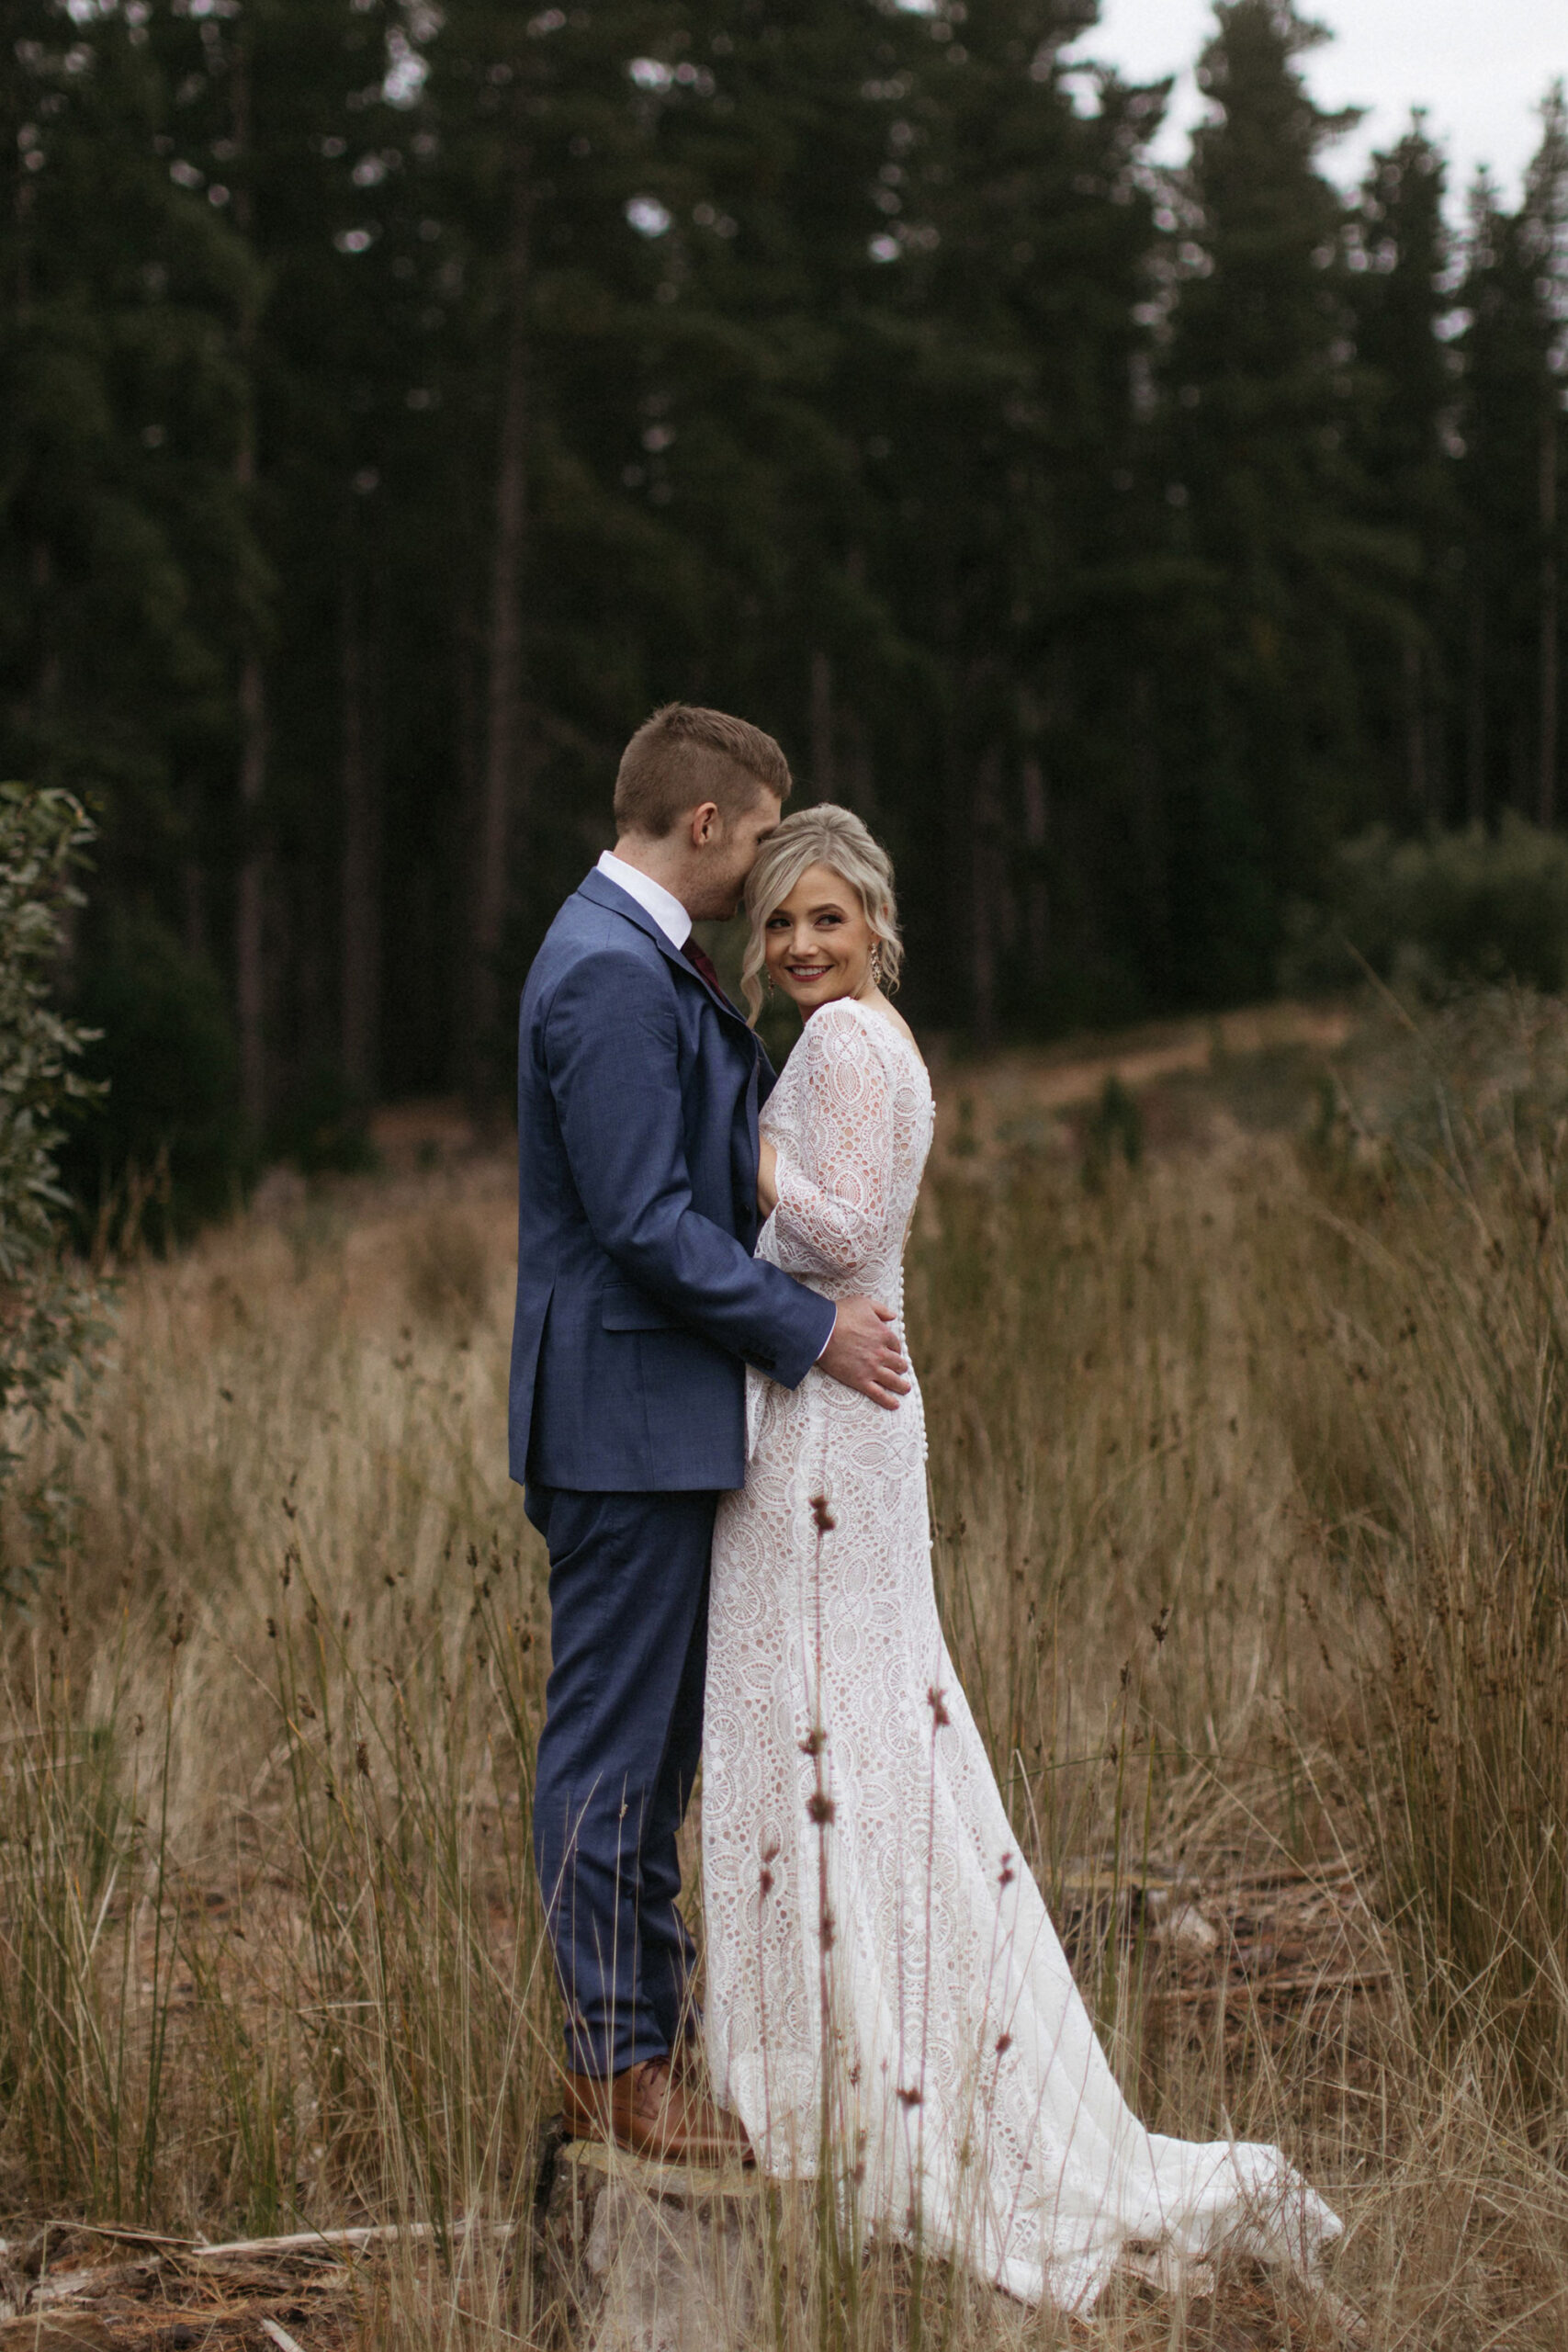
(50, 1314)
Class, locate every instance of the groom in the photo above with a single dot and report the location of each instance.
(638, 1305)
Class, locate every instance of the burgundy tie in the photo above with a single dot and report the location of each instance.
(702, 962)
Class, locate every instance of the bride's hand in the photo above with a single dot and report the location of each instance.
(767, 1178)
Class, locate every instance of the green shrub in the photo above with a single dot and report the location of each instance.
(49, 1315)
(1455, 909)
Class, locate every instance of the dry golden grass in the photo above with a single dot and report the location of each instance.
(1249, 1472)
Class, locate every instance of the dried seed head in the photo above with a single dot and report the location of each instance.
(938, 1706)
(820, 1808)
(764, 1881)
(815, 1740)
(1006, 1876)
(913, 2096)
(362, 1758)
(824, 1517)
(1004, 2044)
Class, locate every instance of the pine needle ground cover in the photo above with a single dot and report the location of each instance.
(1247, 1397)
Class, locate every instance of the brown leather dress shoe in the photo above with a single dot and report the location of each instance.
(648, 2111)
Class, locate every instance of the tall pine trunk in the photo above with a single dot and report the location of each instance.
(1475, 712)
(1549, 616)
(1416, 776)
(821, 714)
(1037, 893)
(250, 942)
(502, 779)
(988, 890)
(361, 927)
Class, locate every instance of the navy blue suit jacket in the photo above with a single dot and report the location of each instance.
(639, 1300)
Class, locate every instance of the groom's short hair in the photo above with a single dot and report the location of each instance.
(685, 754)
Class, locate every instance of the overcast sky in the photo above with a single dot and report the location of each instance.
(1479, 67)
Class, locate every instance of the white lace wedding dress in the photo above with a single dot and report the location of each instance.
(870, 1924)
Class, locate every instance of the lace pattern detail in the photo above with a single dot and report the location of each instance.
(873, 1938)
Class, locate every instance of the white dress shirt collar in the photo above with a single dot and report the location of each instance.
(651, 896)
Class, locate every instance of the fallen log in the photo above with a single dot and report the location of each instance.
(354, 2240)
(332, 2246)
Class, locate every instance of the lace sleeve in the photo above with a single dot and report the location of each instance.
(834, 1182)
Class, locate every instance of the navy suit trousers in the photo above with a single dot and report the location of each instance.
(618, 1760)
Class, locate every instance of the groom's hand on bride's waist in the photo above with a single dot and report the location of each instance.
(863, 1352)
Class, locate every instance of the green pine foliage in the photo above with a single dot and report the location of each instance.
(1515, 461)
(397, 402)
(1258, 706)
(1402, 441)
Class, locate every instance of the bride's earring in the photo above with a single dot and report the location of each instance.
(876, 966)
(768, 980)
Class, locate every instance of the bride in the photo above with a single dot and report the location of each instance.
(885, 1992)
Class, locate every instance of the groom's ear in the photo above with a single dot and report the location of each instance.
(704, 824)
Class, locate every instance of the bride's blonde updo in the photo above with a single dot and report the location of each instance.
(833, 837)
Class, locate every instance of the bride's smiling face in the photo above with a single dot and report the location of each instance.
(819, 943)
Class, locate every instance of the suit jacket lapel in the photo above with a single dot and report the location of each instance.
(744, 1144)
(599, 888)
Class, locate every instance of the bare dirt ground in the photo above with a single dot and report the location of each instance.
(1055, 1078)
(1010, 1094)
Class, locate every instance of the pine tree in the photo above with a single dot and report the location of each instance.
(1546, 230)
(1515, 292)
(126, 551)
(1023, 431)
(1257, 700)
(544, 191)
(1401, 428)
(117, 417)
(398, 403)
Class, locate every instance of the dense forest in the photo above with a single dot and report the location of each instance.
(399, 401)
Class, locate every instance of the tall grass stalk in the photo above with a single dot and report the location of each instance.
(1221, 1454)
(1447, 1327)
